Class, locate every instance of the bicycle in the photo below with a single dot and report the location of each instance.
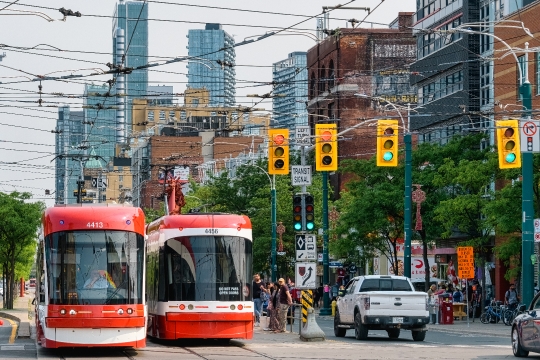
(493, 314)
(510, 314)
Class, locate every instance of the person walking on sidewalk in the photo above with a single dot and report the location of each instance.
(285, 301)
(511, 298)
(258, 286)
(273, 308)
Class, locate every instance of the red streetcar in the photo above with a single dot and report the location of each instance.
(90, 266)
(199, 277)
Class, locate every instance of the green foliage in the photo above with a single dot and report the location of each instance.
(19, 223)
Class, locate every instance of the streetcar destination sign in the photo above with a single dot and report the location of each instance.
(301, 175)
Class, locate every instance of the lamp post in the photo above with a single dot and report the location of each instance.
(273, 220)
(407, 231)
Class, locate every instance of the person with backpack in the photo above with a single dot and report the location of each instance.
(511, 298)
(457, 296)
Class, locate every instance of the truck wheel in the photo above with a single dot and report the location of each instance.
(360, 330)
(393, 333)
(339, 332)
(418, 335)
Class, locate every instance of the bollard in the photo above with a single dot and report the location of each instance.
(311, 330)
(333, 308)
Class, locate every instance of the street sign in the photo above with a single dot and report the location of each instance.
(94, 182)
(102, 182)
(536, 237)
(305, 275)
(302, 135)
(301, 175)
(530, 141)
(537, 225)
(352, 269)
(306, 247)
(465, 262)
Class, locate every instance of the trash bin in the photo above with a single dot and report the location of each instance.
(446, 309)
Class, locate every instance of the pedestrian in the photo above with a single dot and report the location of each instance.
(457, 296)
(317, 296)
(285, 301)
(511, 298)
(258, 286)
(273, 308)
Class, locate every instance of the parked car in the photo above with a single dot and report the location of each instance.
(525, 329)
(381, 302)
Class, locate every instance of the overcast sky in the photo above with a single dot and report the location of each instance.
(26, 141)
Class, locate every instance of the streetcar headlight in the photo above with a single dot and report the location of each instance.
(240, 307)
(120, 311)
(63, 312)
(130, 311)
(232, 307)
(72, 312)
(190, 307)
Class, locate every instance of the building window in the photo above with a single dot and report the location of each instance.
(485, 83)
(442, 86)
(322, 80)
(150, 116)
(120, 178)
(520, 75)
(430, 43)
(161, 115)
(537, 62)
(312, 86)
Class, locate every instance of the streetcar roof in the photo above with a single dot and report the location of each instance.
(88, 217)
(201, 220)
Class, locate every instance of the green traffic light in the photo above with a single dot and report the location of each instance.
(387, 156)
(310, 226)
(510, 158)
(297, 226)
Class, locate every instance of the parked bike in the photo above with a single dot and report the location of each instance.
(494, 312)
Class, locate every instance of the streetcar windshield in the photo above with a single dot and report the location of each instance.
(207, 268)
(94, 267)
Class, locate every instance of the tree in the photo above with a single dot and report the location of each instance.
(19, 223)
(371, 211)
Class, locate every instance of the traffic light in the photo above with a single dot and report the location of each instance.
(326, 148)
(298, 215)
(278, 151)
(508, 145)
(310, 213)
(387, 143)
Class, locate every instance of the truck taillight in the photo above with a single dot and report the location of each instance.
(366, 303)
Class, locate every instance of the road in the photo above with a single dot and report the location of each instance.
(438, 344)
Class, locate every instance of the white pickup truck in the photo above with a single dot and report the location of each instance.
(380, 302)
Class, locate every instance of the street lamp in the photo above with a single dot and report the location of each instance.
(407, 231)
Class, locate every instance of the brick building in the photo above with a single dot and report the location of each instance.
(373, 62)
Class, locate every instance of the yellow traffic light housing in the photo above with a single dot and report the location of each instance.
(278, 151)
(387, 143)
(508, 145)
(326, 147)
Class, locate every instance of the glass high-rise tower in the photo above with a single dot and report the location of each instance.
(211, 64)
(132, 18)
(291, 92)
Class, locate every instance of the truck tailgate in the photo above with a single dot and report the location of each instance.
(402, 303)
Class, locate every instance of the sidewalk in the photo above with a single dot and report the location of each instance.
(23, 314)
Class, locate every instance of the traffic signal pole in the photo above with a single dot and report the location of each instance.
(408, 203)
(274, 228)
(326, 310)
(527, 244)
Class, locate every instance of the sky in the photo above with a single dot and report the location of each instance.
(81, 45)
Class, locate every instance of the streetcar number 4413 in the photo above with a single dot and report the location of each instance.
(95, 225)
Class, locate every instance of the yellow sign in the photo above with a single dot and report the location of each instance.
(465, 256)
